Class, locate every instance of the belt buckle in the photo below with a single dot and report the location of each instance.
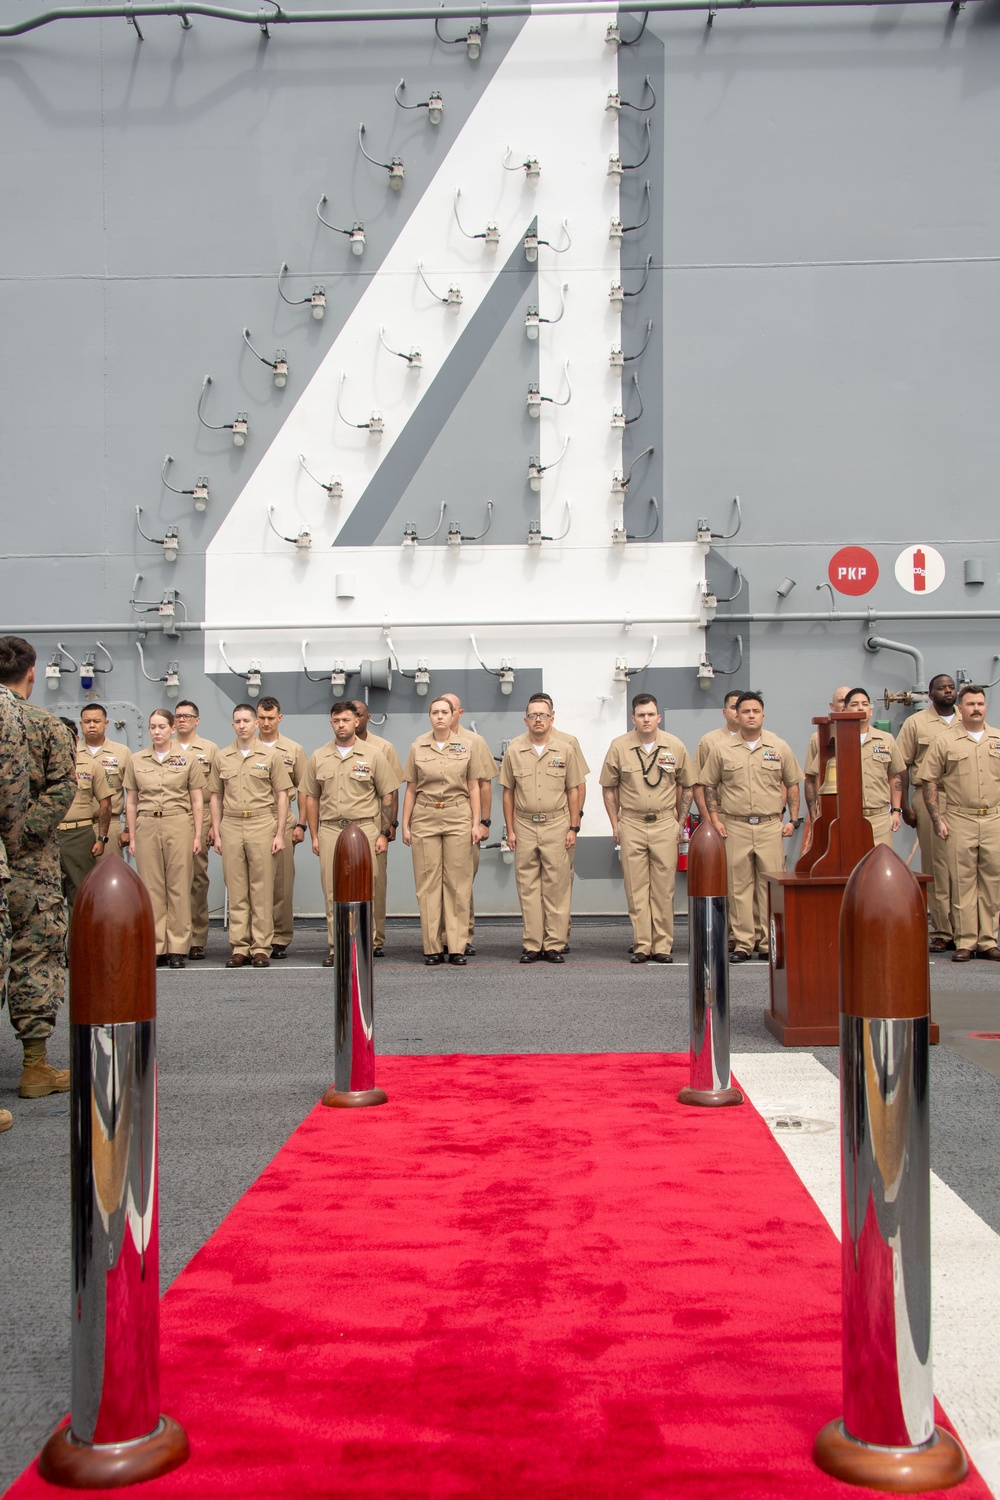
(982, 811)
(244, 815)
(753, 818)
(651, 817)
(539, 817)
(439, 804)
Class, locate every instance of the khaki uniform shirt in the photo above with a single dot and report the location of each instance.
(751, 782)
(708, 742)
(880, 758)
(92, 786)
(968, 773)
(540, 782)
(294, 760)
(387, 750)
(207, 752)
(441, 775)
(164, 787)
(667, 766)
(250, 783)
(114, 758)
(916, 737)
(349, 788)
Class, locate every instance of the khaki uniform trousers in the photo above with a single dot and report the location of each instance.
(284, 887)
(164, 859)
(753, 851)
(441, 846)
(649, 868)
(379, 893)
(977, 870)
(881, 826)
(75, 859)
(937, 859)
(248, 867)
(199, 885)
(329, 833)
(543, 871)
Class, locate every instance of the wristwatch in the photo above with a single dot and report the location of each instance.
(796, 822)
(302, 826)
(574, 828)
(102, 838)
(486, 822)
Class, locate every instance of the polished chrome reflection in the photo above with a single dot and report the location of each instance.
(708, 980)
(354, 1044)
(886, 1245)
(115, 1345)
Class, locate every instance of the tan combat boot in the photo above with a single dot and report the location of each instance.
(38, 1077)
(6, 1119)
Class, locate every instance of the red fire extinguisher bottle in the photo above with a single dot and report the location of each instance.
(919, 571)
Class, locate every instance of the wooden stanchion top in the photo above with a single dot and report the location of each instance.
(883, 941)
(706, 871)
(352, 866)
(112, 948)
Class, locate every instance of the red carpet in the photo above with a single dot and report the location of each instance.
(524, 1276)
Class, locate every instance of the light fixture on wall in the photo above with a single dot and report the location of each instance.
(531, 243)
(533, 400)
(708, 604)
(504, 673)
(252, 676)
(356, 234)
(414, 360)
(316, 300)
(706, 673)
(278, 365)
(532, 318)
(453, 299)
(165, 607)
(55, 668)
(169, 541)
(530, 166)
(410, 537)
(621, 535)
(170, 680)
(334, 486)
(536, 468)
(536, 536)
(90, 671)
(433, 104)
(613, 37)
(490, 235)
(615, 102)
(472, 40)
(239, 427)
(619, 481)
(455, 536)
(394, 166)
(374, 426)
(618, 229)
(337, 677)
(623, 673)
(615, 167)
(198, 492)
(302, 542)
(785, 587)
(422, 678)
(618, 358)
(616, 297)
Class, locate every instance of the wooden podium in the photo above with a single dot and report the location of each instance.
(804, 906)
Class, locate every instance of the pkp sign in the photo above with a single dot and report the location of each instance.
(853, 570)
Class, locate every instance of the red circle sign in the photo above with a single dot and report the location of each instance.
(853, 570)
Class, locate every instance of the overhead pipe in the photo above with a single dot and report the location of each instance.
(420, 13)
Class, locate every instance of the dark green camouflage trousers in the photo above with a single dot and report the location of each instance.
(36, 984)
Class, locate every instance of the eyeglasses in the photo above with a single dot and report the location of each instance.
(538, 716)
(185, 716)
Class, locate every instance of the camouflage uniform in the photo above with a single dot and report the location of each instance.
(37, 984)
(14, 803)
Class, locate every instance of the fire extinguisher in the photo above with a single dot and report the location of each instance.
(919, 571)
(684, 844)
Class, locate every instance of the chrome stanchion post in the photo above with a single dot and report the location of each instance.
(116, 1434)
(886, 1438)
(354, 1016)
(708, 971)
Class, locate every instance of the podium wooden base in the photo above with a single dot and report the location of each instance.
(805, 959)
(710, 1098)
